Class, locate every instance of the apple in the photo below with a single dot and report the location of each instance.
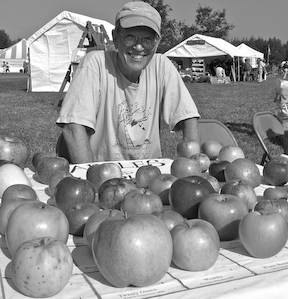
(186, 194)
(213, 181)
(203, 160)
(112, 192)
(78, 216)
(182, 167)
(34, 219)
(161, 184)
(141, 201)
(263, 236)
(196, 245)
(211, 148)
(275, 173)
(267, 206)
(187, 148)
(244, 170)
(275, 193)
(38, 156)
(231, 153)
(48, 166)
(217, 168)
(71, 191)
(97, 174)
(11, 174)
(224, 212)
(19, 191)
(241, 189)
(13, 149)
(145, 174)
(94, 221)
(41, 267)
(56, 178)
(170, 218)
(134, 250)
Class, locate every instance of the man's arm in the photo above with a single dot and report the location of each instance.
(189, 129)
(78, 145)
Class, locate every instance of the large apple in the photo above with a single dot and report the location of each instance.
(38, 156)
(48, 166)
(78, 216)
(134, 250)
(186, 194)
(244, 170)
(263, 236)
(203, 160)
(196, 245)
(34, 219)
(145, 174)
(97, 174)
(161, 184)
(71, 191)
(41, 267)
(211, 148)
(217, 168)
(267, 206)
(170, 218)
(141, 201)
(11, 174)
(241, 189)
(182, 167)
(275, 173)
(14, 150)
(187, 148)
(231, 153)
(19, 191)
(112, 192)
(224, 212)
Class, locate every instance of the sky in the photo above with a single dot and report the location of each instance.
(257, 18)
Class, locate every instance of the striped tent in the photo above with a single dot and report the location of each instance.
(16, 51)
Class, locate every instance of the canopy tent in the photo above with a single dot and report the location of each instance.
(250, 53)
(51, 48)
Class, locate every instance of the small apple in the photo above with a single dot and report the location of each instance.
(145, 174)
(37, 158)
(187, 148)
(203, 160)
(19, 191)
(275, 193)
(217, 168)
(97, 174)
(13, 149)
(263, 236)
(213, 181)
(267, 206)
(230, 153)
(56, 178)
(275, 173)
(211, 148)
(224, 212)
(182, 167)
(170, 218)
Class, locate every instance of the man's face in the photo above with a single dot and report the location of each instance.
(136, 47)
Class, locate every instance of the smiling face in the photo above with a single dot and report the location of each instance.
(132, 59)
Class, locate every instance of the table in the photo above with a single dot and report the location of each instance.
(235, 274)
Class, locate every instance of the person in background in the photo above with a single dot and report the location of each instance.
(220, 72)
(247, 70)
(115, 102)
(261, 70)
(285, 69)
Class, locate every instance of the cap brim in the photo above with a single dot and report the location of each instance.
(135, 21)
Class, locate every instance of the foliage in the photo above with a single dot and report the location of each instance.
(5, 41)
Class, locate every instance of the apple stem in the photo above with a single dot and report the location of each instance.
(125, 215)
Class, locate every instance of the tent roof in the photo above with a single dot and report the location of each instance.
(16, 51)
(74, 17)
(199, 45)
(250, 52)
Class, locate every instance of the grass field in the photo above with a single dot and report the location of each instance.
(30, 115)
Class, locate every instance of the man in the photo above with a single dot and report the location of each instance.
(247, 70)
(113, 107)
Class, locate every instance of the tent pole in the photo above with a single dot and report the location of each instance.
(29, 86)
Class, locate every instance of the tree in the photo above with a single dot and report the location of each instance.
(5, 41)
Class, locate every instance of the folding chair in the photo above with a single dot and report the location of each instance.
(266, 126)
(212, 129)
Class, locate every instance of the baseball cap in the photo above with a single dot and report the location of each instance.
(138, 13)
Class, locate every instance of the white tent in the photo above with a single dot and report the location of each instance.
(250, 53)
(51, 47)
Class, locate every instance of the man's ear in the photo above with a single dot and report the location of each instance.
(114, 36)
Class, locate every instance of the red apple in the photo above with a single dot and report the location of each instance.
(37, 158)
(97, 174)
(275, 173)
(275, 193)
(263, 236)
(78, 216)
(40, 219)
(182, 167)
(187, 148)
(267, 206)
(196, 245)
(244, 170)
(161, 184)
(203, 160)
(224, 212)
(41, 267)
(186, 194)
(19, 191)
(141, 201)
(56, 178)
(241, 189)
(231, 153)
(71, 191)
(170, 218)
(217, 168)
(145, 174)
(14, 150)
(213, 181)
(136, 250)
(211, 148)
(112, 192)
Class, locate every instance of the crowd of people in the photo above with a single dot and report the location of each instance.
(5, 67)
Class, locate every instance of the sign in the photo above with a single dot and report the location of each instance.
(195, 42)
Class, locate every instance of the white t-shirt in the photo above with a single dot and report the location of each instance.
(123, 117)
